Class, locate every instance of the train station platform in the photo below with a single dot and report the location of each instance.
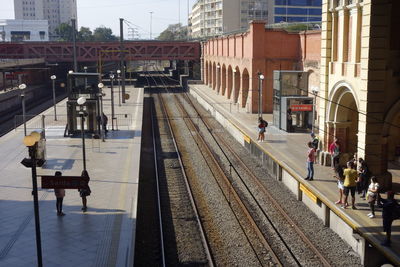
(284, 155)
(102, 236)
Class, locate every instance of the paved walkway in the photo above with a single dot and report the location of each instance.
(291, 148)
(104, 235)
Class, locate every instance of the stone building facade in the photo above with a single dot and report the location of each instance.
(360, 81)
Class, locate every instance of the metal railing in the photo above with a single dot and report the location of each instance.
(42, 122)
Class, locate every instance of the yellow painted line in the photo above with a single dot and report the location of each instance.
(308, 193)
(247, 138)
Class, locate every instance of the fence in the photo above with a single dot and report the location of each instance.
(48, 122)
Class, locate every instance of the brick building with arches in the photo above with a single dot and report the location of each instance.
(353, 68)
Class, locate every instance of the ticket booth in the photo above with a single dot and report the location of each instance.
(83, 85)
(291, 96)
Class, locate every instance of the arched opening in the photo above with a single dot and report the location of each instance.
(391, 141)
(245, 87)
(218, 78)
(229, 83)
(214, 76)
(236, 84)
(223, 80)
(206, 73)
(343, 112)
(209, 74)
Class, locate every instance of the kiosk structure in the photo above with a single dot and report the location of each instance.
(84, 85)
(292, 105)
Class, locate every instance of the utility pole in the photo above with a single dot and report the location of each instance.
(151, 24)
(122, 53)
(73, 21)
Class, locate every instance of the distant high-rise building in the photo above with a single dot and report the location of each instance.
(54, 11)
(297, 11)
(215, 17)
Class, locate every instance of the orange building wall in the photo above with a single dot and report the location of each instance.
(263, 50)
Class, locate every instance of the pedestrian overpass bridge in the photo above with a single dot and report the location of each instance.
(102, 51)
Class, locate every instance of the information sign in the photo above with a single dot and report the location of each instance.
(66, 182)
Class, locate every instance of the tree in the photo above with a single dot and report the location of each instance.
(173, 32)
(85, 35)
(103, 34)
(64, 32)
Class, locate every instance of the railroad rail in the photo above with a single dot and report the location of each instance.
(218, 140)
(210, 260)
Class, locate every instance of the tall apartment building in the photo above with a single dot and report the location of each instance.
(216, 17)
(54, 11)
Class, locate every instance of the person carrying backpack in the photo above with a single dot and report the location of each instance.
(315, 144)
(262, 125)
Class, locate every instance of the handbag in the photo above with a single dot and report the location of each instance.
(371, 198)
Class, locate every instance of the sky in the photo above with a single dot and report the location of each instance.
(95, 13)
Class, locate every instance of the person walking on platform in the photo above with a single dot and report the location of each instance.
(334, 150)
(85, 192)
(340, 180)
(364, 177)
(315, 144)
(350, 184)
(262, 125)
(389, 213)
(310, 162)
(60, 194)
(372, 195)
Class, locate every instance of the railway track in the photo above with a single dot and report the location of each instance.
(173, 190)
(238, 194)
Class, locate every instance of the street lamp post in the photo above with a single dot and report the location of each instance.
(31, 142)
(100, 95)
(85, 69)
(119, 87)
(151, 23)
(315, 93)
(81, 101)
(260, 87)
(112, 101)
(53, 79)
(22, 88)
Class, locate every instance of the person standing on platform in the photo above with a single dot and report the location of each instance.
(310, 162)
(85, 192)
(60, 194)
(289, 121)
(350, 184)
(315, 144)
(372, 195)
(389, 213)
(364, 176)
(334, 150)
(262, 125)
(340, 179)
(105, 122)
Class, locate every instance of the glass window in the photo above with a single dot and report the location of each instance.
(299, 2)
(297, 11)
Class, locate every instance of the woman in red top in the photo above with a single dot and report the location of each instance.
(334, 150)
(310, 162)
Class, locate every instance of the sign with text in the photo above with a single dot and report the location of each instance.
(301, 107)
(66, 182)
